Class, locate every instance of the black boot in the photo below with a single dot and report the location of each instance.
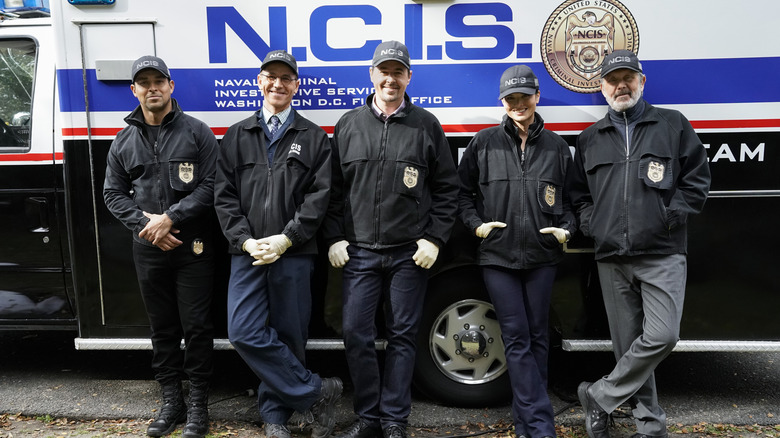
(198, 412)
(173, 411)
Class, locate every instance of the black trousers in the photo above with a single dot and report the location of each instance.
(177, 290)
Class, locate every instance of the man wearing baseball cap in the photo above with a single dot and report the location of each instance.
(271, 194)
(522, 239)
(638, 174)
(392, 207)
(173, 247)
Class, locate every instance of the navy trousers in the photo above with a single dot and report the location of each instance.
(522, 302)
(373, 277)
(269, 308)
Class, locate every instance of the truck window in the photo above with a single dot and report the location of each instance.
(17, 70)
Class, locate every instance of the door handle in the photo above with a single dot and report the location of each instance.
(36, 209)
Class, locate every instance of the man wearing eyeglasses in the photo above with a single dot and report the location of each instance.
(271, 193)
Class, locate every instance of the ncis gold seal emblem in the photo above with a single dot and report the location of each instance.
(655, 172)
(186, 172)
(549, 195)
(410, 176)
(577, 37)
(197, 247)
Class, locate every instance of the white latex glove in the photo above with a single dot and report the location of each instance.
(337, 254)
(426, 254)
(485, 229)
(270, 249)
(251, 246)
(559, 233)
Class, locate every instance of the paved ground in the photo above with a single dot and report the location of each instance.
(112, 393)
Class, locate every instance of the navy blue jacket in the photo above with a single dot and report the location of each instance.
(256, 199)
(525, 191)
(394, 181)
(633, 196)
(174, 176)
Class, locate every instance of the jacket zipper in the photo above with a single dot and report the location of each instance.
(378, 194)
(155, 150)
(625, 183)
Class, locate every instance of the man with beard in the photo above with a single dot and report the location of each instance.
(638, 173)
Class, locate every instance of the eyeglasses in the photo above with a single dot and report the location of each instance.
(286, 80)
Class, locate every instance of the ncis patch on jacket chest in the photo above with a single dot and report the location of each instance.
(656, 172)
(410, 176)
(183, 175)
(186, 172)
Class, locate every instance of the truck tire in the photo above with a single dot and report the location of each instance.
(460, 355)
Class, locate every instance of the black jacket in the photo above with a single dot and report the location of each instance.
(394, 182)
(638, 203)
(174, 176)
(254, 199)
(525, 191)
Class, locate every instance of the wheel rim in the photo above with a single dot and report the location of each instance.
(465, 343)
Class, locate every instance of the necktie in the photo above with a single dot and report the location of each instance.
(274, 125)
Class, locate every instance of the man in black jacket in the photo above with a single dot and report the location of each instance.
(393, 205)
(160, 184)
(638, 173)
(271, 194)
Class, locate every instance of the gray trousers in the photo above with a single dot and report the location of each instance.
(643, 296)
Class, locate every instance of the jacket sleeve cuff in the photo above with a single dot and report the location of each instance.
(434, 240)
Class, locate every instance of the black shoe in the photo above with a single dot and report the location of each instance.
(198, 413)
(173, 411)
(361, 429)
(322, 410)
(595, 418)
(394, 431)
(276, 431)
(197, 423)
(641, 435)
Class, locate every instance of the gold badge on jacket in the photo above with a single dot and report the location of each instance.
(410, 176)
(549, 195)
(197, 246)
(655, 171)
(186, 172)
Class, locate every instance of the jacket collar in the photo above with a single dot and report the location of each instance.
(137, 116)
(401, 113)
(650, 114)
(534, 130)
(252, 122)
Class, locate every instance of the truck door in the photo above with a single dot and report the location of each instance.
(33, 268)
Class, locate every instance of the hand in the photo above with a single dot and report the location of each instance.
(559, 233)
(485, 229)
(251, 246)
(337, 254)
(255, 249)
(270, 249)
(426, 254)
(159, 230)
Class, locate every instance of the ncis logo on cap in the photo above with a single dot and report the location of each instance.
(620, 59)
(391, 51)
(518, 79)
(149, 61)
(280, 56)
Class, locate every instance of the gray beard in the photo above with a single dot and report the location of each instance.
(622, 106)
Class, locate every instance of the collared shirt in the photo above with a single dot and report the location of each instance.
(382, 115)
(283, 119)
(282, 115)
